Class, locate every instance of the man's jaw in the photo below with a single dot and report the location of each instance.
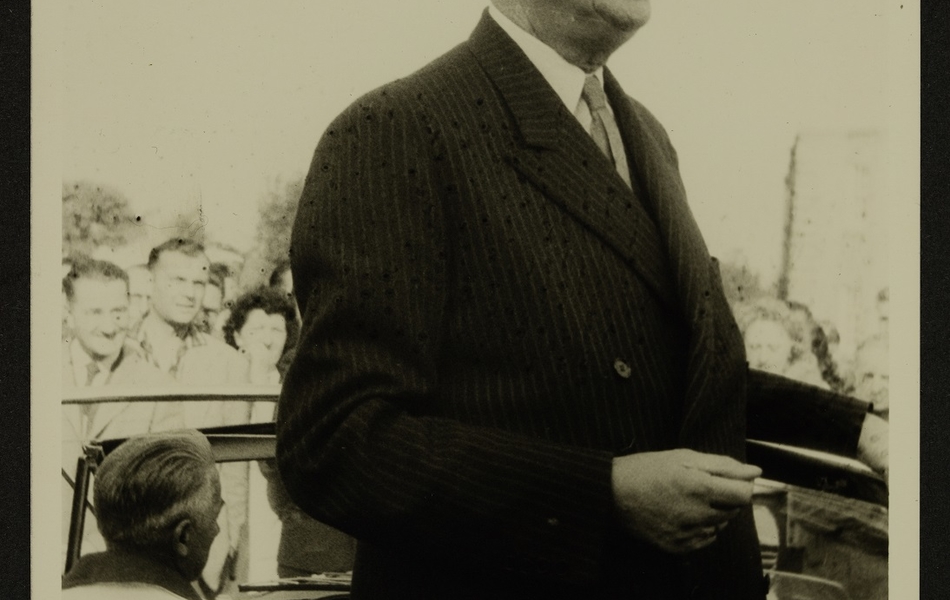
(98, 356)
(184, 328)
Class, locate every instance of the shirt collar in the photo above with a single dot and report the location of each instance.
(81, 358)
(566, 79)
(153, 328)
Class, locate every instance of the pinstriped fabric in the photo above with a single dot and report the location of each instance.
(474, 277)
(377, 310)
(714, 397)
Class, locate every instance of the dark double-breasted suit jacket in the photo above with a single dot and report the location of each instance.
(490, 316)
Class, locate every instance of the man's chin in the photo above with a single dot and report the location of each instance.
(181, 321)
(100, 353)
(626, 18)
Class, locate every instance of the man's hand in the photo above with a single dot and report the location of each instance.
(873, 444)
(679, 500)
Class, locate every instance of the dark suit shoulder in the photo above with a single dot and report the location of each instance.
(427, 99)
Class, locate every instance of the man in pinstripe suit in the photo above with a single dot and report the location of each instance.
(519, 377)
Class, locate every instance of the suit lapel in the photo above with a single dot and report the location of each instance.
(711, 355)
(651, 226)
(655, 173)
(562, 161)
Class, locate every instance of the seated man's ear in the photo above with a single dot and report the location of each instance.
(182, 537)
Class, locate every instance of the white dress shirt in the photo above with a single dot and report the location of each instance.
(81, 361)
(566, 79)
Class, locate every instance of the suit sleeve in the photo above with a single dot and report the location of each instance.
(357, 446)
(789, 412)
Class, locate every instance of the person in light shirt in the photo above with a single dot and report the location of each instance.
(170, 335)
(98, 317)
(98, 355)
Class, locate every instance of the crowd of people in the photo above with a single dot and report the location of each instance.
(784, 338)
(178, 320)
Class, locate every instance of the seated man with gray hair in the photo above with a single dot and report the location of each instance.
(157, 498)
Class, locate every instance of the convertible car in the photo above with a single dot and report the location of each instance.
(822, 520)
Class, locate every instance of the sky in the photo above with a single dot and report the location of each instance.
(206, 104)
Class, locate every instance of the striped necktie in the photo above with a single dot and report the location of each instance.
(603, 127)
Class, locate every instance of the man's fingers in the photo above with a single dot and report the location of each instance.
(702, 543)
(671, 500)
(724, 466)
(728, 493)
(699, 538)
(710, 517)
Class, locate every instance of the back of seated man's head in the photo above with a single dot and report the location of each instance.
(158, 496)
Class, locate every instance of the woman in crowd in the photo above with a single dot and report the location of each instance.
(778, 341)
(263, 326)
(872, 377)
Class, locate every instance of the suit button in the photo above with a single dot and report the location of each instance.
(622, 369)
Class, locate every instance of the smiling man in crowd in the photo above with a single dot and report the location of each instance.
(98, 354)
(519, 376)
(98, 317)
(169, 334)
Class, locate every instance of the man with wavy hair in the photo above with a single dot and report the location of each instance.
(157, 500)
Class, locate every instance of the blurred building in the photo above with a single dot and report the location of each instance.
(835, 257)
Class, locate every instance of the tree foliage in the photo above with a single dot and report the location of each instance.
(740, 283)
(277, 210)
(95, 215)
(190, 225)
